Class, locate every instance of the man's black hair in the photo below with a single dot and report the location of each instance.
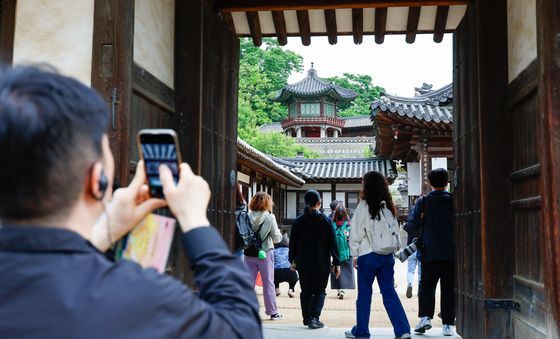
(51, 129)
(438, 177)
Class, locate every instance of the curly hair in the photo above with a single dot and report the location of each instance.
(375, 189)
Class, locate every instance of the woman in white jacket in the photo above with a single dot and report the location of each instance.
(374, 237)
(263, 221)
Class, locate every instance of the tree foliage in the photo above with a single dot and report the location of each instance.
(262, 71)
(363, 86)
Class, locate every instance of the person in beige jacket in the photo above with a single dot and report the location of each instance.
(263, 221)
(373, 239)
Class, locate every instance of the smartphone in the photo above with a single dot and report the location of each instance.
(157, 147)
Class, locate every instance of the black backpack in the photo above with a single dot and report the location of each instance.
(245, 232)
(256, 243)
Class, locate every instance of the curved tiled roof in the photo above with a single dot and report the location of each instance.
(357, 121)
(260, 159)
(434, 106)
(313, 86)
(334, 169)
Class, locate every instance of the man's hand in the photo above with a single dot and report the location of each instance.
(336, 271)
(127, 208)
(188, 200)
(355, 262)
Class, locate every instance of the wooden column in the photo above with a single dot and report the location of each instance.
(548, 33)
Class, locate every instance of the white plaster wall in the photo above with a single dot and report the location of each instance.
(154, 38)
(58, 32)
(522, 35)
(291, 205)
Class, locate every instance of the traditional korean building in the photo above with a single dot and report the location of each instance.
(418, 131)
(257, 172)
(313, 105)
(334, 178)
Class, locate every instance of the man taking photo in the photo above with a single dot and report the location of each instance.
(55, 179)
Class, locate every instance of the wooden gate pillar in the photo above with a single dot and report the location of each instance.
(548, 40)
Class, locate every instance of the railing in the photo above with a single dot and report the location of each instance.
(313, 120)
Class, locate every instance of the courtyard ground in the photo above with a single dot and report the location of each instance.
(340, 315)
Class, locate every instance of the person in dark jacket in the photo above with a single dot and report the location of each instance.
(56, 183)
(312, 244)
(433, 218)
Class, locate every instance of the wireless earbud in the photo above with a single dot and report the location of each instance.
(103, 184)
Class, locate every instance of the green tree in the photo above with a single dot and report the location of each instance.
(363, 86)
(279, 145)
(262, 71)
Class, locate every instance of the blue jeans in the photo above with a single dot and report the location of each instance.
(370, 266)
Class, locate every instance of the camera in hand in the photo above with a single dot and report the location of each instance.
(406, 252)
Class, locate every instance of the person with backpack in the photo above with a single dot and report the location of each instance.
(433, 218)
(374, 238)
(341, 226)
(259, 257)
(243, 227)
(312, 244)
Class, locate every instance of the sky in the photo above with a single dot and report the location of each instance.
(394, 65)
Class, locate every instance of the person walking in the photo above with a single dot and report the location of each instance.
(341, 226)
(433, 218)
(264, 222)
(413, 258)
(240, 206)
(282, 267)
(312, 245)
(373, 240)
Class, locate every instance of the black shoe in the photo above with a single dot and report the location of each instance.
(314, 324)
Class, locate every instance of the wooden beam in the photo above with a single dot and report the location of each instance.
(304, 28)
(330, 22)
(228, 19)
(358, 25)
(280, 5)
(280, 27)
(412, 25)
(441, 23)
(254, 27)
(380, 24)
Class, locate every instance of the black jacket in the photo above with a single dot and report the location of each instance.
(313, 243)
(55, 284)
(437, 229)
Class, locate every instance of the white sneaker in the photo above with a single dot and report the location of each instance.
(424, 325)
(448, 330)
